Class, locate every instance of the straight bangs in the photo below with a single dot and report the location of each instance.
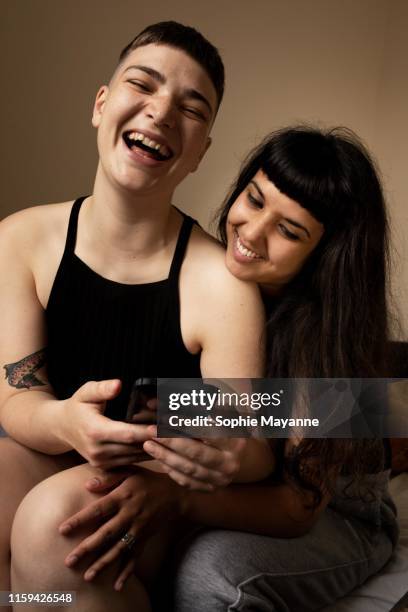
(329, 173)
(302, 165)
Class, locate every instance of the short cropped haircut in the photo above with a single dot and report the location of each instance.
(186, 39)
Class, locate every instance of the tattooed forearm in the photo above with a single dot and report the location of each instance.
(21, 374)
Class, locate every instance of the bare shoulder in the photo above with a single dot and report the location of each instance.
(221, 315)
(206, 265)
(26, 232)
(31, 246)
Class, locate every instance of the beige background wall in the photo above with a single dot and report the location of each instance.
(323, 61)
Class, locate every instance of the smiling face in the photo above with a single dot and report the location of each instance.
(270, 236)
(154, 119)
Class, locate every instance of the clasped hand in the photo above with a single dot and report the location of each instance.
(139, 505)
(198, 465)
(138, 501)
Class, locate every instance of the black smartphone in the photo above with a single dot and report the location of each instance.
(143, 390)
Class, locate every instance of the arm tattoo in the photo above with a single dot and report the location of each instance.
(21, 374)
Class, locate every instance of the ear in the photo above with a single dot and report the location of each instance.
(204, 151)
(99, 105)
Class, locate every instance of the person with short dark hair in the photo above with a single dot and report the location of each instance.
(186, 39)
(118, 285)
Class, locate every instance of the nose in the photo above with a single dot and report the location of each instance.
(255, 232)
(161, 111)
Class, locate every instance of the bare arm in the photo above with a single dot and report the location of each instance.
(277, 509)
(233, 347)
(274, 510)
(29, 410)
(225, 318)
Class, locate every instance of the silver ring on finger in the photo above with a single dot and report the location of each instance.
(129, 540)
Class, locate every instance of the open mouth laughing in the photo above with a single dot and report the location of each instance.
(155, 150)
(243, 250)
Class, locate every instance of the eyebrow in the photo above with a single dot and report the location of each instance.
(287, 219)
(158, 76)
(298, 225)
(196, 95)
(155, 74)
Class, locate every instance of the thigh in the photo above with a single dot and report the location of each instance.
(21, 469)
(237, 571)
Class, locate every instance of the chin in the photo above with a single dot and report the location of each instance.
(133, 182)
(238, 270)
(232, 266)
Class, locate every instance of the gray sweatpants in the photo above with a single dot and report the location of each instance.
(220, 571)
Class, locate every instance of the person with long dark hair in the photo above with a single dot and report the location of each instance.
(306, 220)
(326, 297)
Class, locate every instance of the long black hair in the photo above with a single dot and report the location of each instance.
(331, 319)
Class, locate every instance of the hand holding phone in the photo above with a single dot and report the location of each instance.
(139, 412)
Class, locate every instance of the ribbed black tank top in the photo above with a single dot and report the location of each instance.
(100, 329)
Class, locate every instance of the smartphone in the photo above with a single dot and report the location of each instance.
(143, 390)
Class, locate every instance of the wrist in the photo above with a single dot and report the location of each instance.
(62, 420)
(181, 498)
(192, 504)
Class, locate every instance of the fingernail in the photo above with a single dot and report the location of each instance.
(72, 560)
(94, 482)
(118, 586)
(89, 575)
(65, 529)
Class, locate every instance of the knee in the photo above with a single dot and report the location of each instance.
(43, 508)
(221, 570)
(37, 548)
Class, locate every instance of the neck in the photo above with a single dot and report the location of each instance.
(126, 221)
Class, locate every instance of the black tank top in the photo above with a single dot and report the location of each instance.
(100, 329)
